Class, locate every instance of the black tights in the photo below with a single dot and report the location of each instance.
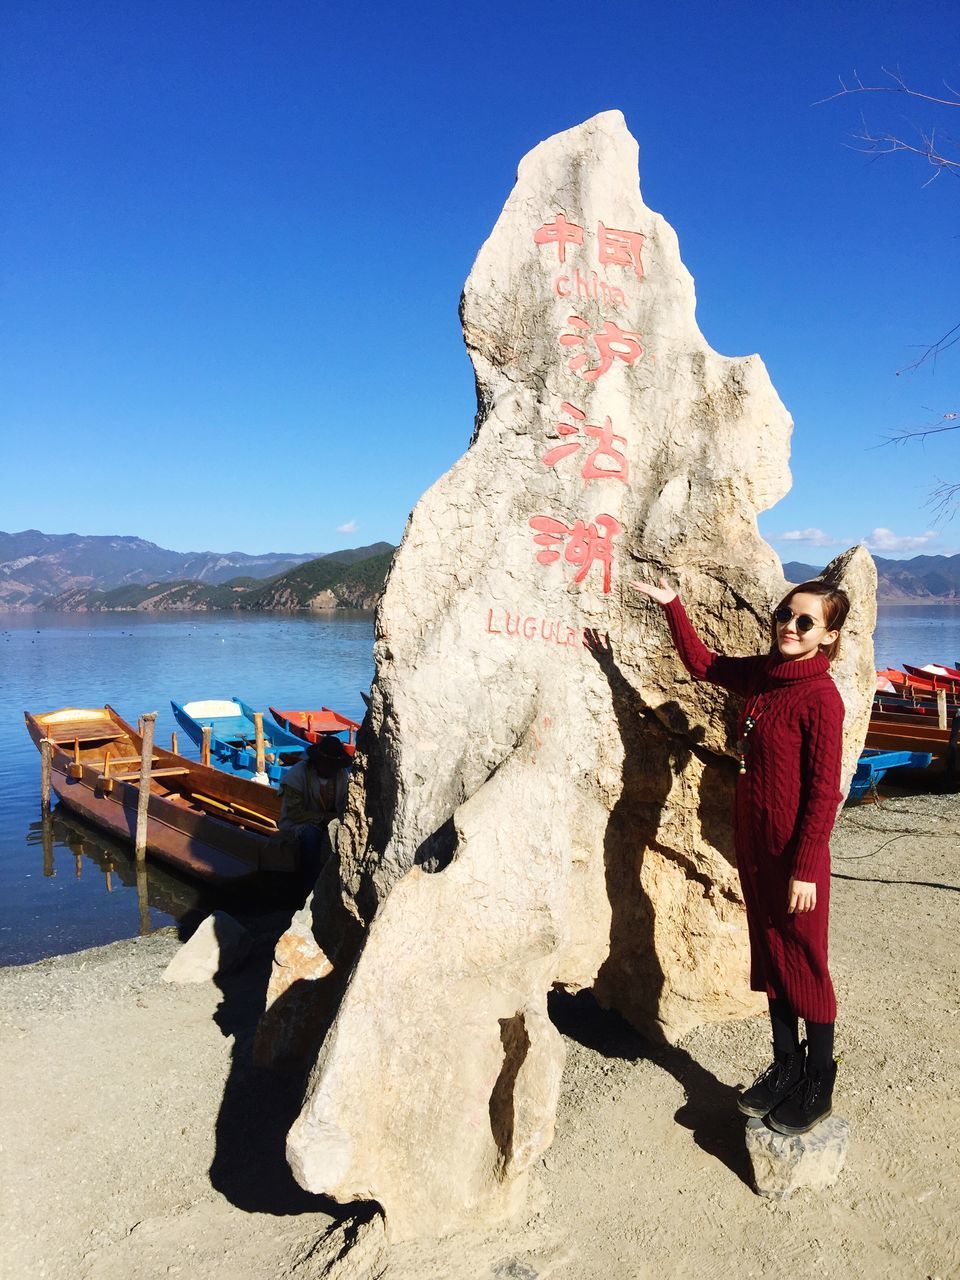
(786, 1035)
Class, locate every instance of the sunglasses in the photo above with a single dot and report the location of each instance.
(804, 622)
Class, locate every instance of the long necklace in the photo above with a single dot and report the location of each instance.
(749, 724)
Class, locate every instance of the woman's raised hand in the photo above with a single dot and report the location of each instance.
(662, 594)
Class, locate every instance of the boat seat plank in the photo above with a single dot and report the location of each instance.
(64, 734)
(134, 774)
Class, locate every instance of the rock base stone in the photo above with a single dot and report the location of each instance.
(782, 1164)
(219, 945)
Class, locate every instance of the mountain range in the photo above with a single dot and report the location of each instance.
(71, 572)
(37, 567)
(921, 580)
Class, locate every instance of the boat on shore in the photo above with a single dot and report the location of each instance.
(200, 820)
(903, 729)
(311, 726)
(233, 736)
(938, 677)
(875, 763)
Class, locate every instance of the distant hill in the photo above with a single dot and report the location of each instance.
(921, 580)
(324, 583)
(36, 566)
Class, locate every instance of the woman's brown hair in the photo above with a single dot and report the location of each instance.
(836, 606)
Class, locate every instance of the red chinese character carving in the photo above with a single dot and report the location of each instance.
(587, 544)
(622, 248)
(559, 232)
(604, 449)
(612, 343)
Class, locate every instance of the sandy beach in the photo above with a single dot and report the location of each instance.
(139, 1141)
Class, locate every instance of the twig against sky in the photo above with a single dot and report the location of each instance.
(927, 145)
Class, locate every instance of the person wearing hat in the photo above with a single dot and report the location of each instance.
(313, 796)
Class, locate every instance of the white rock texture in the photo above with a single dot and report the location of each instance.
(783, 1164)
(218, 945)
(528, 811)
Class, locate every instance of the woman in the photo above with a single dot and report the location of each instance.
(788, 791)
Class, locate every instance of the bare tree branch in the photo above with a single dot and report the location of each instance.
(949, 422)
(887, 144)
(949, 339)
(945, 500)
(899, 85)
(942, 152)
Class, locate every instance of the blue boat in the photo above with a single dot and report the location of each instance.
(233, 737)
(874, 763)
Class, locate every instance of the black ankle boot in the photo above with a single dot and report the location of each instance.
(810, 1102)
(773, 1085)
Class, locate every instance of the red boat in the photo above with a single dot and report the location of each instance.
(314, 725)
(941, 677)
(950, 672)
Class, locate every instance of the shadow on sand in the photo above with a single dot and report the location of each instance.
(710, 1111)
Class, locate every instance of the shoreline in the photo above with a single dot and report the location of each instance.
(148, 1089)
(33, 610)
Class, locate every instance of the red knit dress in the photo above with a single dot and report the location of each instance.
(785, 807)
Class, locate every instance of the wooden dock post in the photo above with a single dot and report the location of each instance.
(146, 763)
(173, 743)
(46, 772)
(205, 746)
(143, 899)
(258, 730)
(942, 708)
(46, 839)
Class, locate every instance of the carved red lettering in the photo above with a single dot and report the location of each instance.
(546, 630)
(622, 248)
(611, 343)
(586, 288)
(561, 233)
(606, 449)
(587, 544)
(562, 280)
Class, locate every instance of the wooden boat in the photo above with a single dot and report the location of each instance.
(311, 726)
(905, 732)
(940, 668)
(199, 820)
(874, 764)
(891, 676)
(911, 712)
(938, 676)
(918, 690)
(233, 737)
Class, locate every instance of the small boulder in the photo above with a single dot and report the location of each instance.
(782, 1164)
(219, 945)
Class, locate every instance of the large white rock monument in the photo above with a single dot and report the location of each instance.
(530, 810)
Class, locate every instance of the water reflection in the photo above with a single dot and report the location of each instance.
(93, 851)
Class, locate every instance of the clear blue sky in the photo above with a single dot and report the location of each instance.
(234, 236)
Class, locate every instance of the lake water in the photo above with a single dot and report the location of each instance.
(68, 887)
(80, 890)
